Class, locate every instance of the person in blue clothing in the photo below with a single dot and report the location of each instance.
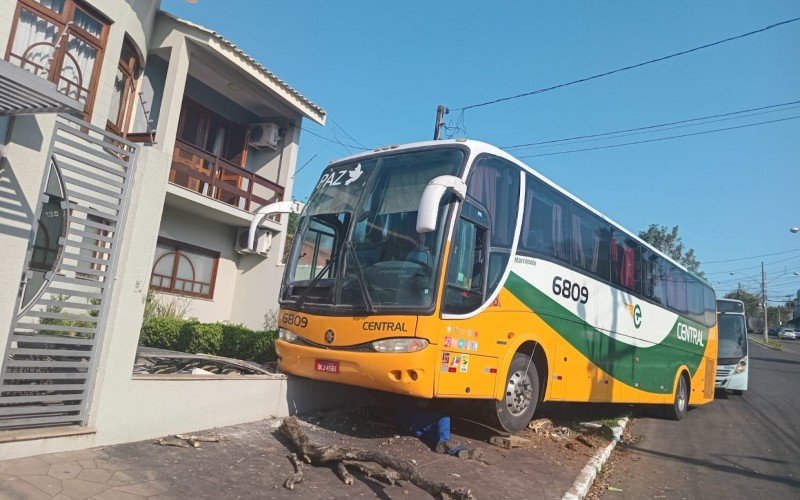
(433, 429)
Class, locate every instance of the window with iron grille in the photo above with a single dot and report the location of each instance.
(61, 41)
(184, 269)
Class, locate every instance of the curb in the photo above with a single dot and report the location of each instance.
(761, 342)
(584, 481)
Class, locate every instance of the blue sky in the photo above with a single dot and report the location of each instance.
(379, 69)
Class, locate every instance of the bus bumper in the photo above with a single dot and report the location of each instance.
(727, 378)
(410, 374)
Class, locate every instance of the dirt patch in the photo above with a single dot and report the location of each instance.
(552, 451)
(617, 465)
(251, 461)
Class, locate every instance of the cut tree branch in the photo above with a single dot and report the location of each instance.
(388, 476)
(345, 476)
(297, 476)
(321, 454)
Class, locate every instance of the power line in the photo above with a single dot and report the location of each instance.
(660, 125)
(752, 267)
(662, 138)
(633, 66)
(347, 134)
(751, 257)
(336, 138)
(304, 165)
(340, 143)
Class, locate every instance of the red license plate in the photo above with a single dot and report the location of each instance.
(327, 366)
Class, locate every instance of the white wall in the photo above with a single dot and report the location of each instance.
(194, 229)
(21, 173)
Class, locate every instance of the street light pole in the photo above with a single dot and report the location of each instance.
(764, 300)
(440, 112)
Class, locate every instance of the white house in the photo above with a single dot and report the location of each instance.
(135, 148)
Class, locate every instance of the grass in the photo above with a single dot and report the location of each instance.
(609, 422)
(775, 344)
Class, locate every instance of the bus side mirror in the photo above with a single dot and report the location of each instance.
(281, 207)
(429, 203)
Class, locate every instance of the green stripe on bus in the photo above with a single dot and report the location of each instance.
(657, 364)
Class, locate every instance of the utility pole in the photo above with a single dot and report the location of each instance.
(440, 112)
(739, 291)
(764, 299)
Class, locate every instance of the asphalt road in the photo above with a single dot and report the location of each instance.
(734, 447)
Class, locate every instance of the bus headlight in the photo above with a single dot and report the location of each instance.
(741, 366)
(400, 345)
(287, 335)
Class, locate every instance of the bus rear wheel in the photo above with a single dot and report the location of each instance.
(516, 408)
(677, 410)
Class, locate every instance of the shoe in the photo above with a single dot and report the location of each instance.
(470, 454)
(445, 446)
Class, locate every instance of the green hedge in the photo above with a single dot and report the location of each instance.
(233, 341)
(201, 338)
(240, 342)
(161, 332)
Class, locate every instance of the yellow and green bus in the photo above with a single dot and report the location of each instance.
(450, 269)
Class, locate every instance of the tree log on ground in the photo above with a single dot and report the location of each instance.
(322, 454)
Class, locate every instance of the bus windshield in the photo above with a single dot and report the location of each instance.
(357, 242)
(732, 336)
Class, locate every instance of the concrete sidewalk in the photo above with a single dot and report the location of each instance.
(250, 462)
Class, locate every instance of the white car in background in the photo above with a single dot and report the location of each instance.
(787, 333)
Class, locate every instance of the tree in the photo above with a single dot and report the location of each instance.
(291, 229)
(669, 242)
(752, 302)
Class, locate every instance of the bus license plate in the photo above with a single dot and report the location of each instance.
(327, 366)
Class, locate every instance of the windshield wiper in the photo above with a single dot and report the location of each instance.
(351, 248)
(317, 278)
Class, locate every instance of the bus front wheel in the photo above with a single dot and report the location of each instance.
(515, 409)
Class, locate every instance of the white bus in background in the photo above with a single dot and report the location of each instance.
(732, 360)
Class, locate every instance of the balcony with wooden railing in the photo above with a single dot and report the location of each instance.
(219, 179)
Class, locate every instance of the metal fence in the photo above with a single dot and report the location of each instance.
(53, 347)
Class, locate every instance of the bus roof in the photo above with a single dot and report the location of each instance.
(479, 147)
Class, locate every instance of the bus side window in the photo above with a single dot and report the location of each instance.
(494, 184)
(591, 243)
(465, 275)
(695, 299)
(710, 301)
(626, 265)
(676, 290)
(545, 225)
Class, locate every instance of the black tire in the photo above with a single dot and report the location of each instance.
(516, 409)
(737, 392)
(677, 410)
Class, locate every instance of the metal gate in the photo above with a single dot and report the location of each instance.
(51, 357)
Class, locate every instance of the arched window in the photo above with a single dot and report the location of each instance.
(184, 269)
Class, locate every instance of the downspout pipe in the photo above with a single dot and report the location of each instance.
(281, 207)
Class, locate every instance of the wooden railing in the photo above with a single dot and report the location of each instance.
(220, 179)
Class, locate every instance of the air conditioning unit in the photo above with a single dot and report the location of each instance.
(263, 242)
(264, 135)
